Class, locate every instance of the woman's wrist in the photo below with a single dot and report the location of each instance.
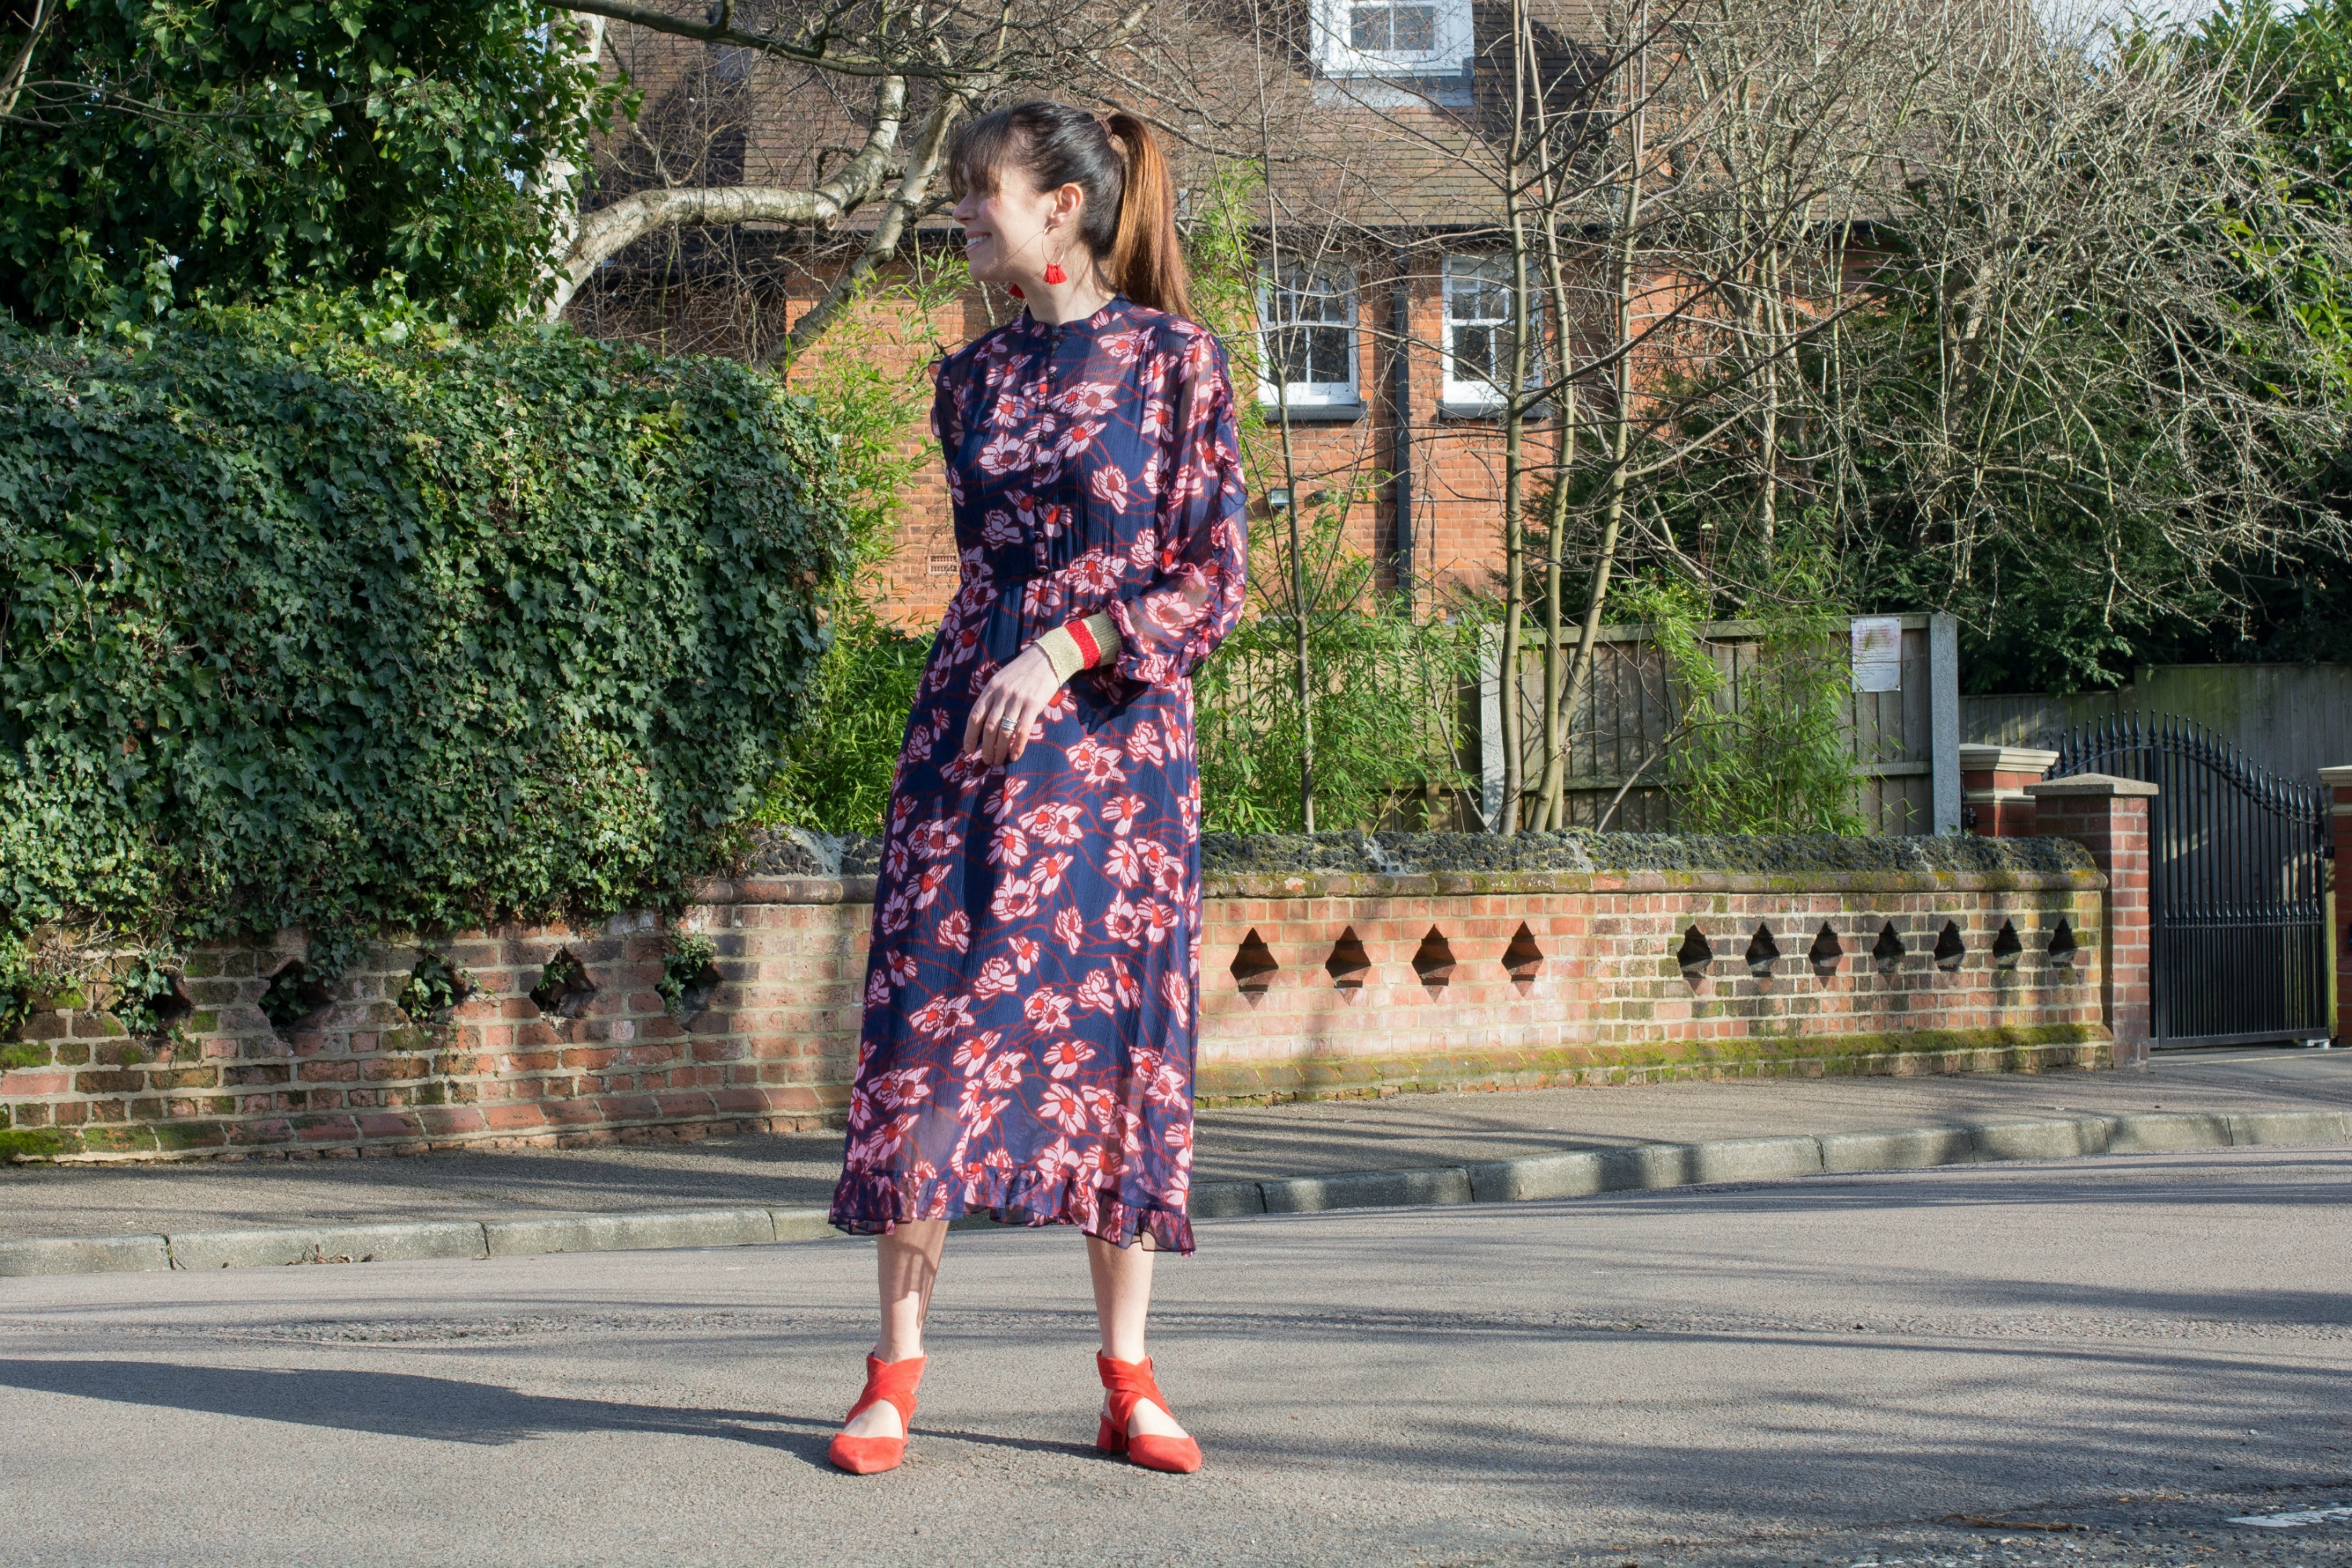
(1078, 645)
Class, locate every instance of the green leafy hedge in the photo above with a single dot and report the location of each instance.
(309, 618)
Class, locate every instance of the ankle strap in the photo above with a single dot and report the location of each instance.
(893, 1381)
(1128, 1383)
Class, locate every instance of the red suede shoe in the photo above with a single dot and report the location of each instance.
(1128, 1383)
(893, 1381)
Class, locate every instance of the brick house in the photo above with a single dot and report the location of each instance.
(1382, 294)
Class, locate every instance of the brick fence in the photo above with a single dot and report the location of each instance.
(1622, 961)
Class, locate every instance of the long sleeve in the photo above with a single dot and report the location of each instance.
(1182, 610)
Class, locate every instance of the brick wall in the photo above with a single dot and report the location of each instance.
(1312, 986)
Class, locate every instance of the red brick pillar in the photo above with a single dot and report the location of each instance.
(2108, 816)
(2338, 781)
(1993, 802)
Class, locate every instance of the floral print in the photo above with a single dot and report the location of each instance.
(1033, 991)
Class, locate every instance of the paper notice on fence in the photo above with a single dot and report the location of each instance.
(1878, 653)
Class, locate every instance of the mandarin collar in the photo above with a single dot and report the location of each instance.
(1113, 310)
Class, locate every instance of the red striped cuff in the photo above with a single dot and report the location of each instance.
(1086, 641)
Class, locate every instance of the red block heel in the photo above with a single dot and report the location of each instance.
(1130, 1384)
(893, 1381)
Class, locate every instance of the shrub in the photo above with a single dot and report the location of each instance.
(309, 618)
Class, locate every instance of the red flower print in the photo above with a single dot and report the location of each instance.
(1088, 397)
(1157, 419)
(965, 769)
(927, 887)
(1095, 762)
(1048, 1009)
(1177, 990)
(1166, 1086)
(1159, 919)
(1125, 862)
(901, 966)
(1000, 800)
(999, 529)
(1139, 553)
(1095, 992)
(1053, 823)
(1004, 1072)
(972, 1055)
(1001, 455)
(902, 1086)
(995, 979)
(877, 989)
(1056, 1159)
(894, 858)
(1025, 952)
(1015, 899)
(1109, 487)
(1061, 705)
(1130, 994)
(936, 839)
(1069, 929)
(956, 930)
(1009, 848)
(1060, 1104)
(1047, 875)
(1124, 347)
(1041, 596)
(1064, 1057)
(1101, 1104)
(1122, 812)
(1078, 439)
(894, 915)
(1123, 923)
(1096, 573)
(943, 1015)
(1143, 740)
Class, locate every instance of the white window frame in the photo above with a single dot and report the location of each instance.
(1339, 282)
(1476, 392)
(1451, 41)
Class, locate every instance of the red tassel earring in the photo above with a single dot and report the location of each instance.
(1054, 273)
(1014, 290)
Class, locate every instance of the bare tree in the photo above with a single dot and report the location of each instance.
(902, 71)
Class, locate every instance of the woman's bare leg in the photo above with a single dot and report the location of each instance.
(1122, 1303)
(907, 1264)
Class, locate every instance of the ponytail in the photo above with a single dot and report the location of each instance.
(1146, 261)
(1130, 226)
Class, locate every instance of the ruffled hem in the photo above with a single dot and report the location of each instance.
(878, 1205)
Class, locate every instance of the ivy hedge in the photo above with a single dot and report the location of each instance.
(312, 617)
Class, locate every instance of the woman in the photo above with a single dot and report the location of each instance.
(1033, 989)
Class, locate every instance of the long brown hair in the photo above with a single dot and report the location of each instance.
(1129, 224)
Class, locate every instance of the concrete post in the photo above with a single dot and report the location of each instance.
(2109, 817)
(1994, 804)
(2338, 781)
(1944, 719)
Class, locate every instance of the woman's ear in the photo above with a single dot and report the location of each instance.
(1070, 204)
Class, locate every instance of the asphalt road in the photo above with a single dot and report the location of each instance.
(1813, 1372)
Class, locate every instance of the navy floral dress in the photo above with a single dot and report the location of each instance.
(1033, 991)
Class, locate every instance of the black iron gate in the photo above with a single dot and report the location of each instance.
(2238, 923)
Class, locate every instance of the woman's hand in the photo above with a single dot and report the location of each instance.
(998, 728)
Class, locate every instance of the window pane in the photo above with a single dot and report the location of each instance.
(1476, 356)
(1309, 342)
(1368, 28)
(1414, 29)
(1327, 362)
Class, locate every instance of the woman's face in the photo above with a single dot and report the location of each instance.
(1012, 233)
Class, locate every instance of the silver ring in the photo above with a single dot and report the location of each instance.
(1008, 724)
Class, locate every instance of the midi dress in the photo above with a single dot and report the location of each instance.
(1032, 988)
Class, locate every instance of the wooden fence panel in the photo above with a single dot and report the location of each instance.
(1621, 726)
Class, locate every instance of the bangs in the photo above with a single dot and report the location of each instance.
(977, 156)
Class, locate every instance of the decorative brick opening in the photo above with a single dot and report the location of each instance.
(1762, 952)
(1950, 948)
(1433, 960)
(294, 998)
(1887, 951)
(1350, 965)
(1254, 966)
(2062, 946)
(1523, 960)
(2006, 946)
(1693, 957)
(1826, 952)
(564, 989)
(434, 989)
